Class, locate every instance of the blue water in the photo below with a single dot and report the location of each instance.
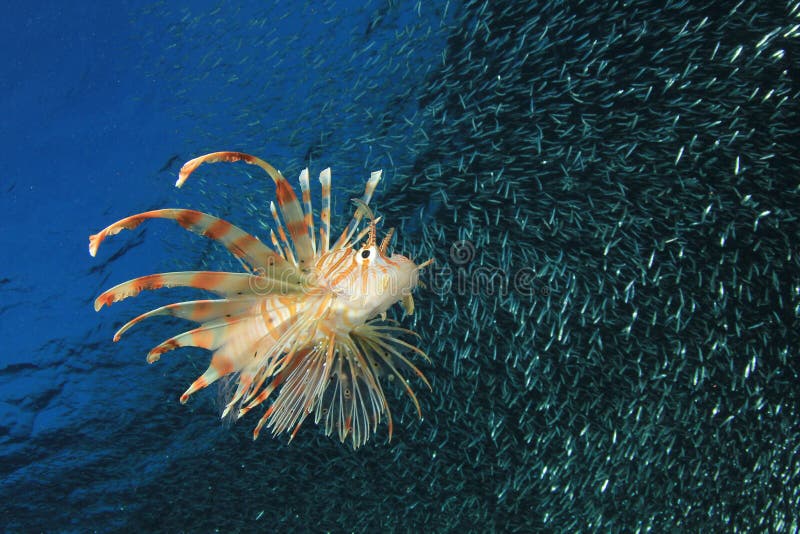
(633, 159)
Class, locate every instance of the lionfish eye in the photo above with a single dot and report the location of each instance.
(365, 253)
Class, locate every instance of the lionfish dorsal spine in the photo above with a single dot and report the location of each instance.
(287, 248)
(325, 212)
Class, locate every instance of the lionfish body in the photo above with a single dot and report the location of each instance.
(306, 318)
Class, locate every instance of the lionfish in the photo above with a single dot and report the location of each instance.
(306, 316)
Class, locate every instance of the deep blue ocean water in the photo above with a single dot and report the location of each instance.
(639, 162)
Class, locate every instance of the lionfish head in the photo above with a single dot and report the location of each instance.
(370, 280)
(385, 279)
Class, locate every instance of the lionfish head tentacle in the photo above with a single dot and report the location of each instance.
(369, 189)
(386, 240)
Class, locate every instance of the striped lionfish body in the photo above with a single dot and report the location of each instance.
(306, 317)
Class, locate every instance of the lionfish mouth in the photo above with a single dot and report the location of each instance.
(275, 326)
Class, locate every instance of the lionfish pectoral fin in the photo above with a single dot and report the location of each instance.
(253, 254)
(235, 343)
(302, 378)
(245, 381)
(228, 285)
(199, 311)
(211, 336)
(220, 366)
(408, 304)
